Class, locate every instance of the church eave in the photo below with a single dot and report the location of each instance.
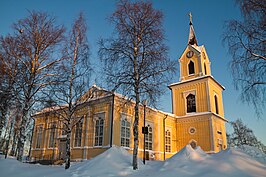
(194, 79)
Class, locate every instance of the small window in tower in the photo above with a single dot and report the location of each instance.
(216, 104)
(205, 69)
(191, 103)
(191, 69)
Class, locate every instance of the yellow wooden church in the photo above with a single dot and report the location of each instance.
(197, 118)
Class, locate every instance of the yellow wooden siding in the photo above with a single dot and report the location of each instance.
(215, 89)
(179, 99)
(202, 135)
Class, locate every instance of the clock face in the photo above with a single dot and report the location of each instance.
(190, 54)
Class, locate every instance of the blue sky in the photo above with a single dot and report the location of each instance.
(208, 20)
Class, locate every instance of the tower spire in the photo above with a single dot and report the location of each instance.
(192, 37)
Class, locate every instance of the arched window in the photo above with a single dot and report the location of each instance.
(148, 139)
(216, 104)
(167, 141)
(191, 103)
(193, 144)
(205, 69)
(98, 137)
(125, 132)
(191, 69)
(52, 132)
(39, 136)
(78, 134)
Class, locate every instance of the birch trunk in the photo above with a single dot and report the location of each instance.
(67, 165)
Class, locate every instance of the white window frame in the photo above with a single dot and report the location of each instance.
(39, 141)
(147, 137)
(170, 140)
(185, 94)
(98, 117)
(127, 129)
(78, 144)
(51, 142)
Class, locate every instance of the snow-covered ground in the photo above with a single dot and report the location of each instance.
(233, 162)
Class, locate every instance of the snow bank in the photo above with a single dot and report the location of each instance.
(188, 153)
(254, 153)
(195, 162)
(118, 162)
(12, 168)
(115, 161)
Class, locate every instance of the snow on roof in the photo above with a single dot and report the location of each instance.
(197, 48)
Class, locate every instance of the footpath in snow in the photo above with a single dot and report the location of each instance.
(245, 161)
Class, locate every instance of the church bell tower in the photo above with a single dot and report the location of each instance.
(197, 100)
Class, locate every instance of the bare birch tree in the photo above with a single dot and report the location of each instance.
(136, 58)
(246, 41)
(73, 80)
(8, 74)
(36, 38)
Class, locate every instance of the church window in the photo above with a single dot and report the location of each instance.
(205, 69)
(52, 129)
(125, 132)
(216, 104)
(167, 141)
(193, 144)
(78, 134)
(98, 137)
(148, 138)
(39, 136)
(191, 103)
(64, 129)
(191, 69)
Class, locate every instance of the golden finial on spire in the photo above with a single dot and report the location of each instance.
(190, 18)
(192, 37)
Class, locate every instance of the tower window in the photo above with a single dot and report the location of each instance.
(205, 69)
(216, 104)
(191, 69)
(191, 103)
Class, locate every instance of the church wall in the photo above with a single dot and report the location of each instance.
(219, 131)
(215, 89)
(179, 94)
(154, 119)
(205, 59)
(87, 142)
(201, 134)
(184, 61)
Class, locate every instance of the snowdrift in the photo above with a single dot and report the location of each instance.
(253, 152)
(195, 162)
(116, 161)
